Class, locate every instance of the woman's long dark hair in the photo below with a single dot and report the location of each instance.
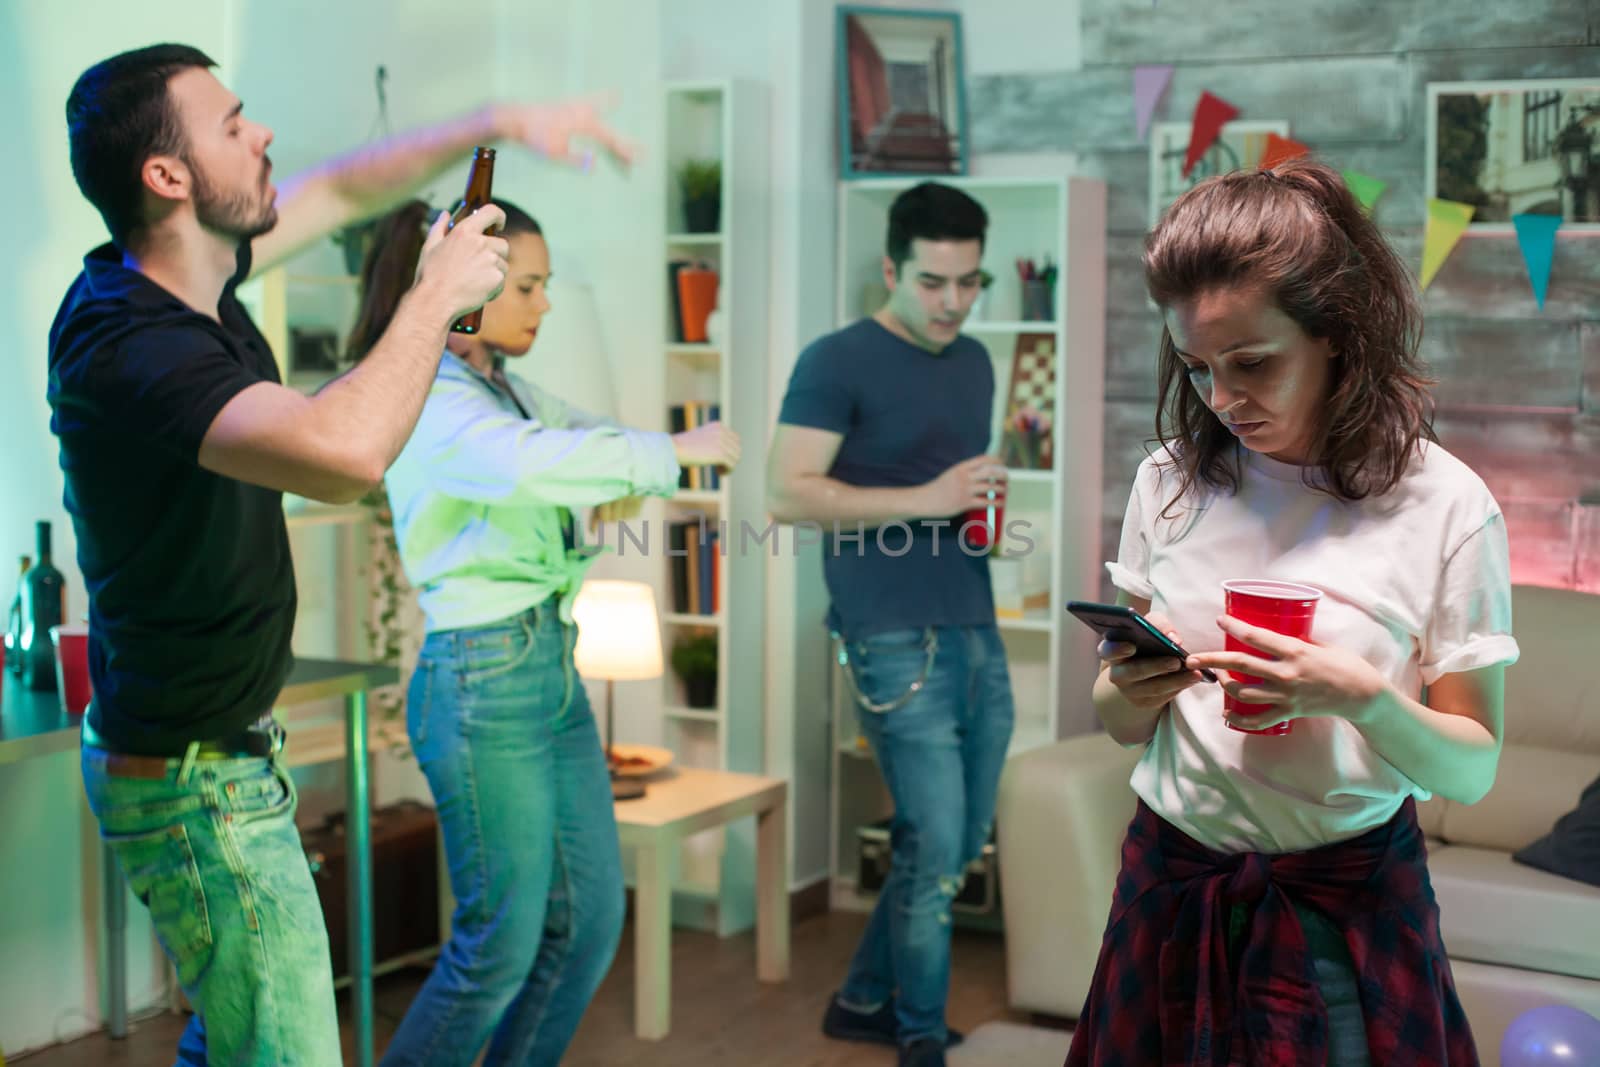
(390, 268)
(1297, 234)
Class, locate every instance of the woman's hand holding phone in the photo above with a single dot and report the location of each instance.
(1146, 682)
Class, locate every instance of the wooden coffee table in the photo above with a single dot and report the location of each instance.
(676, 806)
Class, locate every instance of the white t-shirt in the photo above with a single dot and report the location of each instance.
(1416, 582)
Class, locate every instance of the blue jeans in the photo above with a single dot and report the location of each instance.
(217, 860)
(1336, 980)
(941, 752)
(502, 728)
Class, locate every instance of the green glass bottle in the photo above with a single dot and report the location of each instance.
(42, 596)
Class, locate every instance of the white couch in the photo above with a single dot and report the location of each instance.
(1518, 938)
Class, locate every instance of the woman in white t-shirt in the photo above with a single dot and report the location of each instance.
(1274, 904)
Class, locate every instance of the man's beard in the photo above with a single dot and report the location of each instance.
(241, 215)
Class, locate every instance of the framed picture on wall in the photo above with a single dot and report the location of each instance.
(902, 97)
(1239, 146)
(1516, 147)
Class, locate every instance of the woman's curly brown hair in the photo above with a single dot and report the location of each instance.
(1295, 233)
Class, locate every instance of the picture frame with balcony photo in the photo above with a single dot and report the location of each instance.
(902, 92)
(1516, 147)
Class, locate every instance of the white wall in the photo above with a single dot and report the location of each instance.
(1016, 36)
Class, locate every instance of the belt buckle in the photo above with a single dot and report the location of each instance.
(273, 733)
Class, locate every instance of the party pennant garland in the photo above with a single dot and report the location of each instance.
(1281, 149)
(1537, 236)
(1447, 221)
(1365, 188)
(1211, 113)
(1149, 83)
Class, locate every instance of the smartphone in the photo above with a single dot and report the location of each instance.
(1119, 623)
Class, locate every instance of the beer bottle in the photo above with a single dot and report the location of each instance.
(479, 183)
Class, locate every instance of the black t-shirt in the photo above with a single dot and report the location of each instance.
(191, 585)
(907, 415)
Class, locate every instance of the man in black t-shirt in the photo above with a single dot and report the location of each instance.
(177, 441)
(880, 442)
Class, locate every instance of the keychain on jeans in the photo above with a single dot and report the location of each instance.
(930, 646)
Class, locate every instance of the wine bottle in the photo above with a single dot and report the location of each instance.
(480, 183)
(42, 595)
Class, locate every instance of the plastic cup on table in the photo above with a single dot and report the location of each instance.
(72, 666)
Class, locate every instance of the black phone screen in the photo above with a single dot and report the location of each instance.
(1117, 622)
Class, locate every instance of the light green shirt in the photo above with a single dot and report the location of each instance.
(479, 493)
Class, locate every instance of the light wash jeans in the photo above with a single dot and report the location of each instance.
(218, 862)
(1336, 980)
(941, 753)
(501, 725)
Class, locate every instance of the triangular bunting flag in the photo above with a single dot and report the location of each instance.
(1365, 188)
(1280, 149)
(1447, 221)
(1537, 236)
(1149, 82)
(1211, 113)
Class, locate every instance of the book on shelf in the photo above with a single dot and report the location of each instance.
(694, 547)
(681, 417)
(673, 267)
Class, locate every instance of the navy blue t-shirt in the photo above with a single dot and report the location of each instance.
(907, 416)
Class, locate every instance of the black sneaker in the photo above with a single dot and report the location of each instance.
(923, 1052)
(876, 1027)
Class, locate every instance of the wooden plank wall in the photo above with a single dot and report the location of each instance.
(1519, 392)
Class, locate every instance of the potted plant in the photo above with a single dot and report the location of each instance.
(700, 181)
(694, 660)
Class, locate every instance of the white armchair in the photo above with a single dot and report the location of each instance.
(1061, 814)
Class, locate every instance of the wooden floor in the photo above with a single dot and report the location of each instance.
(720, 1014)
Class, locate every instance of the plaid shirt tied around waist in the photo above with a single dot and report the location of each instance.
(1169, 989)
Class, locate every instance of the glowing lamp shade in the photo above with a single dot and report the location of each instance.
(619, 639)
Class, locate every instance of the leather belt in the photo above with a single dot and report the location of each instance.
(263, 739)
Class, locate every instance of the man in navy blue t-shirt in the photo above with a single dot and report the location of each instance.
(881, 443)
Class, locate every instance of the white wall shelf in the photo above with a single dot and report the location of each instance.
(724, 121)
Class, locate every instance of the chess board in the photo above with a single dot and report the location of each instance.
(1033, 384)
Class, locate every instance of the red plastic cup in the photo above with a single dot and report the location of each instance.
(1282, 607)
(980, 527)
(72, 667)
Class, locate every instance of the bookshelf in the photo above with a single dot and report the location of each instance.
(1051, 656)
(722, 374)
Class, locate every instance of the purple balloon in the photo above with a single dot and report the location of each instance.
(1552, 1036)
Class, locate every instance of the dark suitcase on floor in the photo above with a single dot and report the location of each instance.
(405, 881)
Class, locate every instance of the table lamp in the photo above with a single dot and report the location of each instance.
(619, 640)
